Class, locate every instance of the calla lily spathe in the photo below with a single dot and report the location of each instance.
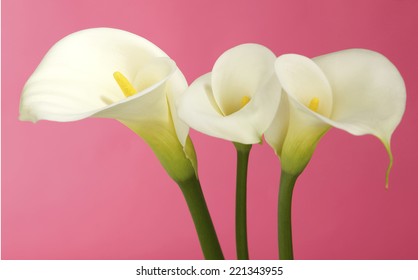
(238, 99)
(356, 90)
(110, 73)
(236, 102)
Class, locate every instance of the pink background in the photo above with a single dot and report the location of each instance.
(93, 190)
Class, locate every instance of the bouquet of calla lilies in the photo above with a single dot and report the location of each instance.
(291, 100)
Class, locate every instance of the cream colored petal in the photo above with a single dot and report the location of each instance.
(149, 104)
(199, 109)
(298, 126)
(240, 72)
(368, 97)
(276, 133)
(175, 89)
(304, 131)
(304, 81)
(369, 94)
(294, 134)
(148, 114)
(75, 78)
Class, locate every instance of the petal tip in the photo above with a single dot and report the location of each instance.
(389, 151)
(28, 117)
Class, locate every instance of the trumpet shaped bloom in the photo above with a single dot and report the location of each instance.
(238, 99)
(356, 90)
(110, 73)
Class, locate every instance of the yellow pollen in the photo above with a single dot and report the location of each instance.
(244, 100)
(124, 84)
(314, 104)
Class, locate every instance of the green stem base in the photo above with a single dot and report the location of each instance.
(243, 153)
(287, 183)
(195, 200)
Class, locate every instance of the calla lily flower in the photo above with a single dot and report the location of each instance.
(238, 99)
(236, 102)
(356, 90)
(110, 73)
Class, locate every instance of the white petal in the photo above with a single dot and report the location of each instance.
(150, 104)
(369, 92)
(368, 97)
(303, 81)
(298, 126)
(175, 89)
(75, 78)
(199, 109)
(240, 71)
(276, 133)
(294, 134)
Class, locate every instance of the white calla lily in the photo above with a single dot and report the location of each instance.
(356, 90)
(110, 73)
(236, 102)
(238, 99)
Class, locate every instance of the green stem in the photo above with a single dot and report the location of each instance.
(243, 153)
(195, 200)
(287, 183)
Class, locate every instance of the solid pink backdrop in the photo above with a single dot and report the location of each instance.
(93, 190)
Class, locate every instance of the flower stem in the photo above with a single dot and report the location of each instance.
(195, 200)
(287, 183)
(243, 153)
